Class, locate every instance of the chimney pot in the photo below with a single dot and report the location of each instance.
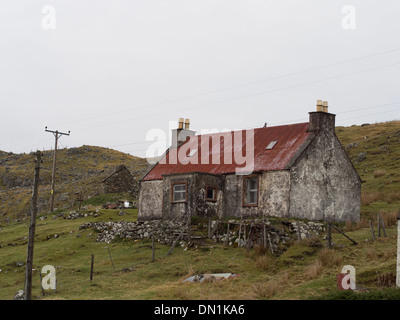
(325, 106)
(319, 106)
(187, 124)
(180, 126)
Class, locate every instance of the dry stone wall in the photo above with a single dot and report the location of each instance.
(241, 234)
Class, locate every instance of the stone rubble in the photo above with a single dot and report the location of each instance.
(19, 295)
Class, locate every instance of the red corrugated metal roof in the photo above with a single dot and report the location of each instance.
(289, 139)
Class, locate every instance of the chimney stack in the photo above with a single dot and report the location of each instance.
(180, 134)
(322, 120)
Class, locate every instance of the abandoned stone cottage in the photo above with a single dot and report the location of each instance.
(120, 180)
(298, 170)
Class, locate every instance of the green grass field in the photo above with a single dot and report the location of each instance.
(307, 270)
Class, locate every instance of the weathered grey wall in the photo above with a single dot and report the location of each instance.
(204, 208)
(323, 183)
(273, 196)
(181, 210)
(150, 200)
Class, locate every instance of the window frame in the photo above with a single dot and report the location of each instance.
(214, 199)
(173, 191)
(246, 191)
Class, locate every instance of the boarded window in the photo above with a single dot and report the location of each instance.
(179, 192)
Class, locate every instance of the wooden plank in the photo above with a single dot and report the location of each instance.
(379, 224)
(227, 235)
(174, 244)
(91, 268)
(265, 236)
(270, 244)
(383, 227)
(152, 247)
(329, 231)
(251, 235)
(214, 229)
(372, 229)
(341, 232)
(240, 234)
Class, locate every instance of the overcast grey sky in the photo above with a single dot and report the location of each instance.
(109, 71)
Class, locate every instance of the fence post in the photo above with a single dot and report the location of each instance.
(152, 247)
(379, 224)
(372, 229)
(398, 252)
(227, 235)
(91, 268)
(329, 229)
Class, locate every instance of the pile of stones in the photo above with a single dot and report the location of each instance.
(163, 231)
(305, 230)
(75, 215)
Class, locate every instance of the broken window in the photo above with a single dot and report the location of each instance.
(250, 192)
(179, 192)
(211, 193)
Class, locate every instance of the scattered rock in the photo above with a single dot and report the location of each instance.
(362, 156)
(19, 295)
(352, 145)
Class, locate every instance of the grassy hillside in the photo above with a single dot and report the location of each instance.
(307, 270)
(79, 171)
(374, 150)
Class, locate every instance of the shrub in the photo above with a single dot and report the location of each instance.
(259, 250)
(264, 262)
(369, 197)
(313, 270)
(329, 257)
(267, 289)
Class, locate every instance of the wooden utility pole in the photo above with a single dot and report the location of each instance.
(57, 135)
(91, 268)
(398, 252)
(32, 226)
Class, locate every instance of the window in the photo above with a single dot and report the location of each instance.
(179, 192)
(271, 145)
(250, 191)
(211, 193)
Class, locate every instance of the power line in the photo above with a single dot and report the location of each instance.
(243, 97)
(233, 87)
(224, 89)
